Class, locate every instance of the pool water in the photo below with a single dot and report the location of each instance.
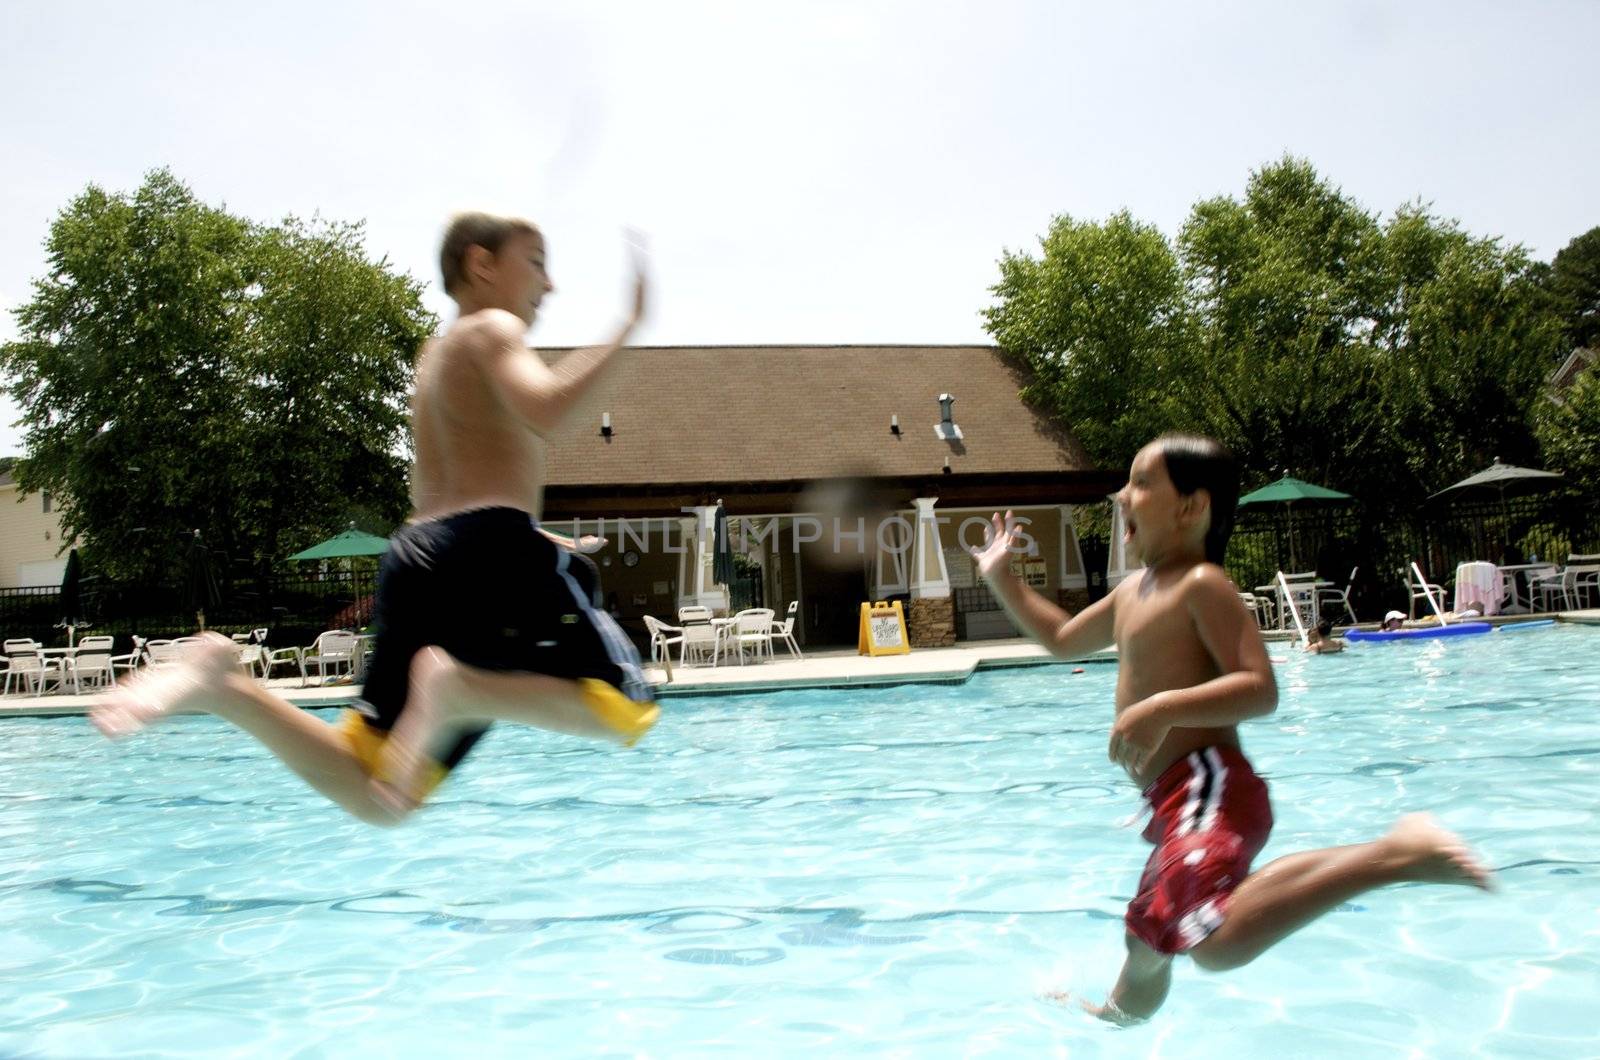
(900, 872)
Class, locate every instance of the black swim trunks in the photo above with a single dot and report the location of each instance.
(492, 590)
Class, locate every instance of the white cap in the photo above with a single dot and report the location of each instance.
(1395, 614)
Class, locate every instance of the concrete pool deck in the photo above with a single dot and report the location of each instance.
(834, 668)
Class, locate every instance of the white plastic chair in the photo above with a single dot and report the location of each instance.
(751, 628)
(1585, 585)
(1545, 583)
(784, 630)
(789, 612)
(253, 659)
(131, 661)
(92, 664)
(25, 666)
(1426, 590)
(277, 657)
(1299, 594)
(693, 613)
(661, 639)
(335, 648)
(1260, 609)
(253, 652)
(1341, 596)
(160, 651)
(700, 641)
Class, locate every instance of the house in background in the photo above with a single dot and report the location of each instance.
(30, 535)
(938, 434)
(1582, 359)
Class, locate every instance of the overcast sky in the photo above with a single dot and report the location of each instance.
(833, 172)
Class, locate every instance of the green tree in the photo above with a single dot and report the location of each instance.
(1283, 289)
(1384, 359)
(1568, 426)
(1100, 317)
(180, 367)
(1469, 338)
(330, 345)
(1574, 280)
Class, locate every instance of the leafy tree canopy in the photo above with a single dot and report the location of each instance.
(1385, 358)
(1574, 280)
(183, 368)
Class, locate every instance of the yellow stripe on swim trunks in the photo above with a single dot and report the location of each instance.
(609, 706)
(616, 711)
(366, 743)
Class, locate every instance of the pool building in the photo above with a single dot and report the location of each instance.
(940, 434)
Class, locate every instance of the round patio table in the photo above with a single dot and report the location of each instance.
(1480, 582)
(58, 665)
(1297, 586)
(1520, 574)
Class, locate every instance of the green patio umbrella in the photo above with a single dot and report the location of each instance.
(352, 542)
(1290, 491)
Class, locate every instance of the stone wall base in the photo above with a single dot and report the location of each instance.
(1073, 600)
(931, 623)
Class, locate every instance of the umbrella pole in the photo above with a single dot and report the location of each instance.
(1505, 516)
(1294, 558)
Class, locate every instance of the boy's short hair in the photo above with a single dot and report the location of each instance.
(476, 230)
(1195, 462)
(1325, 627)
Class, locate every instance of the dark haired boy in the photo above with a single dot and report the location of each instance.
(1191, 667)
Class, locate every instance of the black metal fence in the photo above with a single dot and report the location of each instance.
(1334, 541)
(292, 606)
(745, 590)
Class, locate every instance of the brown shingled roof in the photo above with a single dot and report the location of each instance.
(683, 414)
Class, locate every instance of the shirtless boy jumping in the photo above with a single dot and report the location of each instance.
(481, 616)
(1192, 666)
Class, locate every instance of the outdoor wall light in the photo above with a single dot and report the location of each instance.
(605, 424)
(894, 424)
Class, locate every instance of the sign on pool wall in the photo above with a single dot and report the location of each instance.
(883, 630)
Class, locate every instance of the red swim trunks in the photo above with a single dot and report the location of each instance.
(1210, 817)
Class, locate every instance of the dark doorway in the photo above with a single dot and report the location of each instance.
(831, 604)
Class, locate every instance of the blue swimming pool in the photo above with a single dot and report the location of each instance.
(891, 872)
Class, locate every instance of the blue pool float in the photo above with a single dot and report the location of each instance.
(1460, 629)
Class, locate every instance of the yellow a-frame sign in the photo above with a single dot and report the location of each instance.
(883, 630)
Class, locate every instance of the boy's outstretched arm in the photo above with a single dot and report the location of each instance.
(1243, 688)
(1064, 634)
(540, 396)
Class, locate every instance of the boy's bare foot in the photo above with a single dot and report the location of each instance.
(1429, 853)
(198, 674)
(427, 712)
(1108, 1011)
